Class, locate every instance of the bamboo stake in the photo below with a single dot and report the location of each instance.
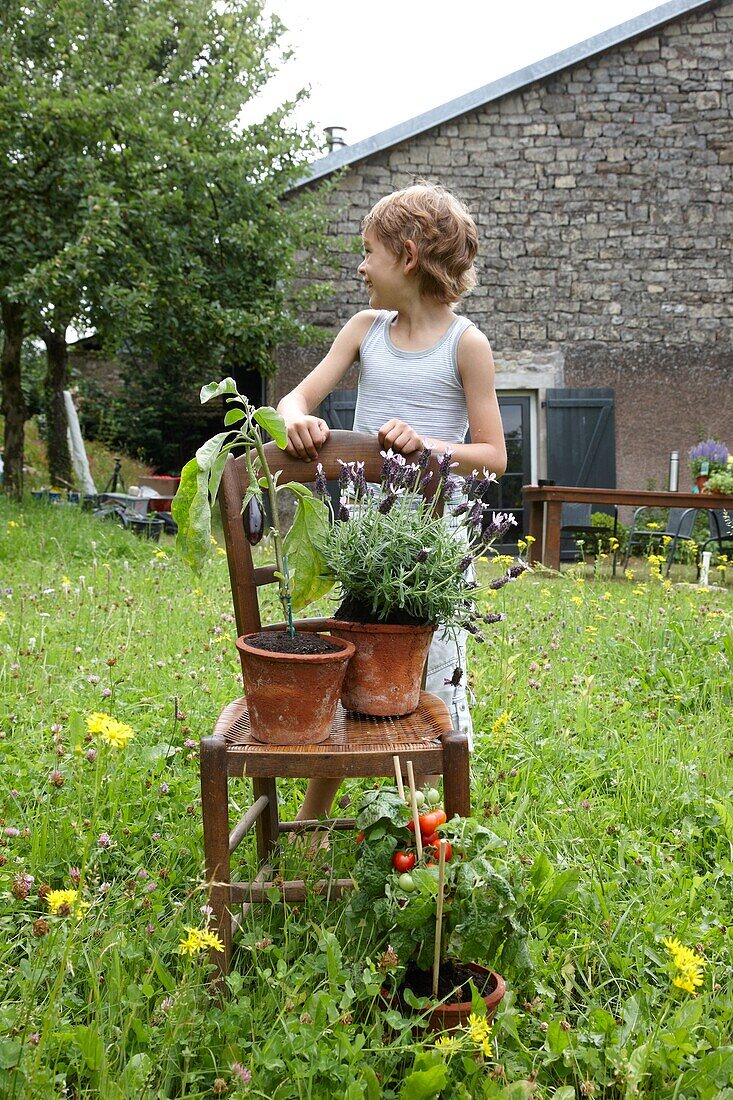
(439, 917)
(415, 811)
(398, 777)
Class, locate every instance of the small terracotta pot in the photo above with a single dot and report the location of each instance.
(447, 1017)
(385, 674)
(292, 697)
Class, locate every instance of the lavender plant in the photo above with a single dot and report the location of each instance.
(395, 558)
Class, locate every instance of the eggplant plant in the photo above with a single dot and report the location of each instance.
(302, 574)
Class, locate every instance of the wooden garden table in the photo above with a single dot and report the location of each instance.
(543, 504)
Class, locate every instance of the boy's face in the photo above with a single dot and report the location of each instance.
(382, 273)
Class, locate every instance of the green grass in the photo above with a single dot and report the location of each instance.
(602, 762)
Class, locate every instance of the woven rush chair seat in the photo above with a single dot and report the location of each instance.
(358, 746)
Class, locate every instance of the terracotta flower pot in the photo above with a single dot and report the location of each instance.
(292, 697)
(385, 674)
(445, 1017)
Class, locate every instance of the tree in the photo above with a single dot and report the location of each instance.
(130, 199)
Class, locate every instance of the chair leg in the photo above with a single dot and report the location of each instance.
(215, 814)
(456, 774)
(268, 831)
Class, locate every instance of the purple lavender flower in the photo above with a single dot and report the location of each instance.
(455, 679)
(494, 617)
(500, 582)
(451, 485)
(464, 563)
(360, 482)
(386, 505)
(345, 475)
(470, 481)
(476, 515)
(445, 464)
(424, 458)
(321, 485)
(516, 570)
(500, 524)
(423, 555)
(343, 512)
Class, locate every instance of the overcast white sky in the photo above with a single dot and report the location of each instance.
(373, 64)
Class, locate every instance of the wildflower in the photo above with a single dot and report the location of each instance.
(75, 875)
(219, 1087)
(241, 1072)
(447, 1044)
(21, 886)
(321, 485)
(164, 788)
(104, 840)
(34, 1038)
(388, 961)
(91, 755)
(503, 719)
(10, 830)
(199, 939)
(40, 928)
(55, 778)
(688, 964)
(62, 903)
(114, 733)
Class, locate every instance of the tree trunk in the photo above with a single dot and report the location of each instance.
(13, 407)
(57, 445)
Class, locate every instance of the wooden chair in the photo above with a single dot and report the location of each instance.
(357, 746)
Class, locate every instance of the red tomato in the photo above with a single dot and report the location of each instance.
(360, 837)
(430, 822)
(411, 825)
(434, 843)
(403, 861)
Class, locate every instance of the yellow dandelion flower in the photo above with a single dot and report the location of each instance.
(577, 600)
(63, 903)
(688, 963)
(12, 523)
(221, 551)
(501, 721)
(478, 1028)
(199, 939)
(97, 722)
(2, 616)
(116, 734)
(447, 1044)
(66, 580)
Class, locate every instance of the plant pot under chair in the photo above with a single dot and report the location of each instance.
(384, 677)
(292, 697)
(448, 1016)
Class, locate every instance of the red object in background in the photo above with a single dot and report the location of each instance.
(164, 485)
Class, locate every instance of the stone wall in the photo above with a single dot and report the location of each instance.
(604, 201)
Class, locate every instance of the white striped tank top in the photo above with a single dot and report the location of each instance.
(423, 388)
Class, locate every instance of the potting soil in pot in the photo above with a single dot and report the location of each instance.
(279, 641)
(453, 979)
(353, 611)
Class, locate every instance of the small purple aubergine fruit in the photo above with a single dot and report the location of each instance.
(254, 521)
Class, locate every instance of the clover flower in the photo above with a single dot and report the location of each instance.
(688, 964)
(199, 939)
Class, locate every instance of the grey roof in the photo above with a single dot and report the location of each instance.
(350, 154)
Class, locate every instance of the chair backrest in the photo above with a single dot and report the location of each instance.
(721, 523)
(245, 578)
(575, 515)
(680, 522)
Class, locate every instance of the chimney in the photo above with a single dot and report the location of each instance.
(334, 137)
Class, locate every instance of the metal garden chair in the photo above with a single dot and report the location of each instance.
(677, 527)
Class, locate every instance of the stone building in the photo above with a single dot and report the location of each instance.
(601, 183)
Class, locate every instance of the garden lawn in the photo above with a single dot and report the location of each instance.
(602, 763)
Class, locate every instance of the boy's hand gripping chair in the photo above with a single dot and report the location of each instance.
(356, 747)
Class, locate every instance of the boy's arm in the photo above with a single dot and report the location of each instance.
(307, 433)
(487, 449)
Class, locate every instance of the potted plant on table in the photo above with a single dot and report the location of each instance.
(292, 679)
(720, 481)
(403, 569)
(396, 900)
(706, 458)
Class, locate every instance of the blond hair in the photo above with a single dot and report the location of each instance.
(443, 231)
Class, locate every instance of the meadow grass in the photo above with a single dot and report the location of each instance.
(602, 764)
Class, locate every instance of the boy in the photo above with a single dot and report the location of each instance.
(426, 374)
